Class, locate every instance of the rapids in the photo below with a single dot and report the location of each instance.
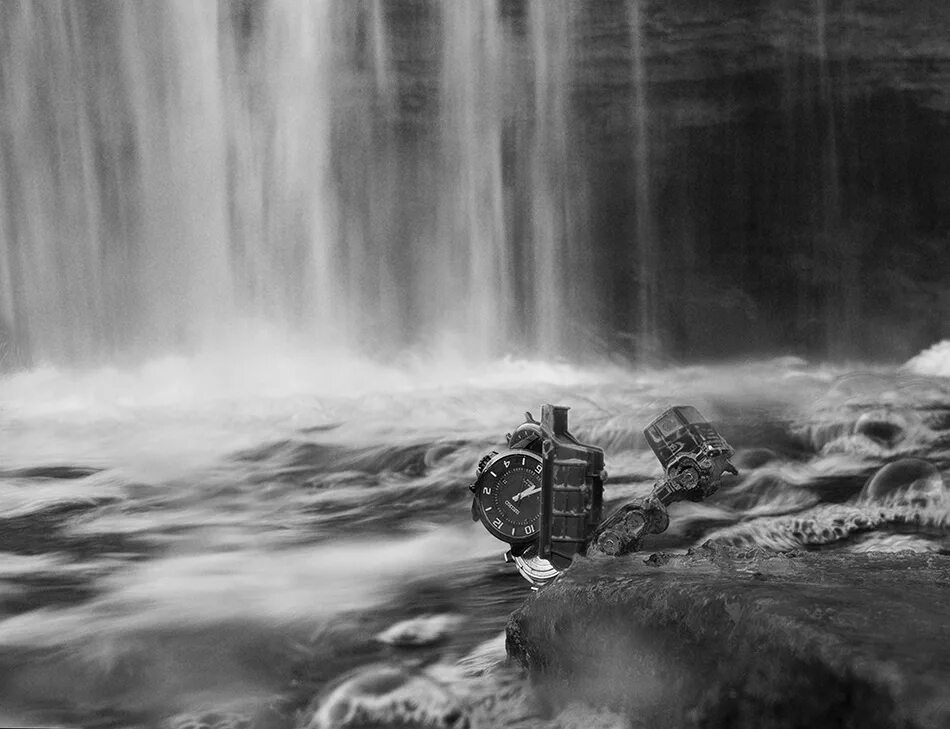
(229, 536)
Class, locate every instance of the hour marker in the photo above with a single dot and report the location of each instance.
(487, 508)
(493, 474)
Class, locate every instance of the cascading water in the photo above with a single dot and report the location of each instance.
(498, 176)
(173, 171)
(645, 242)
(556, 198)
(473, 278)
(115, 225)
(162, 181)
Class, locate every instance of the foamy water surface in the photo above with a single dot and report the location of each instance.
(229, 533)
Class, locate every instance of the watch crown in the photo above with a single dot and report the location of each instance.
(483, 461)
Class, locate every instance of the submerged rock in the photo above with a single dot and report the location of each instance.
(420, 631)
(725, 637)
(208, 720)
(387, 696)
(247, 713)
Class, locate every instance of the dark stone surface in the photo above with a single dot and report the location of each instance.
(729, 638)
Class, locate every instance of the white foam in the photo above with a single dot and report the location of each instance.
(302, 585)
(172, 414)
(21, 565)
(19, 497)
(934, 361)
(420, 630)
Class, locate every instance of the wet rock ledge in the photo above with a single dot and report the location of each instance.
(723, 637)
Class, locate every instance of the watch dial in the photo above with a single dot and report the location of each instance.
(508, 496)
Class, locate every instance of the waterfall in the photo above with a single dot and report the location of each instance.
(487, 177)
(472, 268)
(172, 170)
(166, 174)
(114, 215)
(645, 243)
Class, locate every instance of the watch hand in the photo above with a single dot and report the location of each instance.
(527, 492)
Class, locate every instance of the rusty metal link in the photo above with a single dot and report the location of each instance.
(623, 531)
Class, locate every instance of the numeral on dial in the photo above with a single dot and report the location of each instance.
(507, 497)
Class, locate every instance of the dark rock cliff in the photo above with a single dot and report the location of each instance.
(770, 174)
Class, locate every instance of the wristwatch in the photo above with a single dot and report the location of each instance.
(507, 498)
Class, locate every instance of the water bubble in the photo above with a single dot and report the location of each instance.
(886, 428)
(749, 458)
(860, 386)
(909, 479)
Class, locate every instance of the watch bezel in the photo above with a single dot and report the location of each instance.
(479, 507)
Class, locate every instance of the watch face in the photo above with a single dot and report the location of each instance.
(508, 496)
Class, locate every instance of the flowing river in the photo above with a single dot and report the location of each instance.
(195, 534)
(222, 538)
